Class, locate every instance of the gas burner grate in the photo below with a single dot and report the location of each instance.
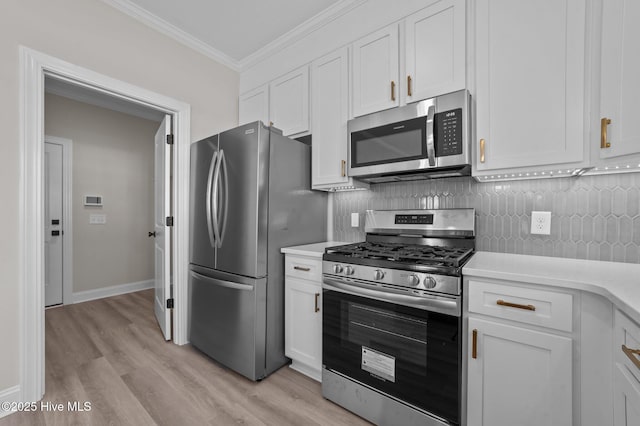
(404, 253)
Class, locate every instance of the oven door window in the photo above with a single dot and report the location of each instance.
(407, 353)
(391, 143)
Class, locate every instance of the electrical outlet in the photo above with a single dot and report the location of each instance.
(541, 223)
(355, 220)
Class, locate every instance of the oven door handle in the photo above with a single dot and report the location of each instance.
(443, 305)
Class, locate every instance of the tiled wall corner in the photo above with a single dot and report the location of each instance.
(592, 217)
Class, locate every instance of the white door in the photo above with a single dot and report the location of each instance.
(518, 377)
(162, 211)
(619, 79)
(254, 105)
(435, 50)
(330, 103)
(375, 72)
(289, 102)
(530, 71)
(53, 238)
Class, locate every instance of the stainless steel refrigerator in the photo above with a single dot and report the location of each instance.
(250, 196)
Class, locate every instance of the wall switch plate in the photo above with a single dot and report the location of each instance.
(541, 223)
(355, 220)
(97, 219)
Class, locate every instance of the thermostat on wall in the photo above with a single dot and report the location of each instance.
(92, 200)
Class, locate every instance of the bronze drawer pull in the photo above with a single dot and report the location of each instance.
(631, 353)
(301, 268)
(474, 344)
(515, 305)
(317, 307)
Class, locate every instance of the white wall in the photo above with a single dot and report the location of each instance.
(358, 22)
(93, 35)
(113, 156)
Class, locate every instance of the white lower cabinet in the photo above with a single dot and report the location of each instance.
(518, 376)
(520, 355)
(626, 379)
(303, 316)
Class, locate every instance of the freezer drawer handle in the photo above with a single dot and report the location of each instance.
(301, 268)
(632, 354)
(223, 283)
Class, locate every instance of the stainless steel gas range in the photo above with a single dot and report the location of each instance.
(392, 320)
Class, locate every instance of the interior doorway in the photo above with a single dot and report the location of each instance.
(58, 236)
(34, 67)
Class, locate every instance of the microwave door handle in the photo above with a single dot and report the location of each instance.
(431, 151)
(209, 198)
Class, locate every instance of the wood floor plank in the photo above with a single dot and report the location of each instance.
(109, 395)
(112, 353)
(165, 404)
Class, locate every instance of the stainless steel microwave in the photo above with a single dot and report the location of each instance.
(423, 140)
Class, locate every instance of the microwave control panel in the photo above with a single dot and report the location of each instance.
(448, 132)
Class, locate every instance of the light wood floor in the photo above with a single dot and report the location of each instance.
(110, 352)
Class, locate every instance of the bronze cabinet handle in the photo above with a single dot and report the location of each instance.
(631, 353)
(482, 150)
(393, 90)
(515, 305)
(343, 168)
(317, 308)
(604, 143)
(474, 344)
(409, 91)
(301, 268)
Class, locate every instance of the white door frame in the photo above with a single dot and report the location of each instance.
(67, 216)
(33, 67)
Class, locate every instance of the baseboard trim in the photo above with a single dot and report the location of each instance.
(11, 394)
(114, 290)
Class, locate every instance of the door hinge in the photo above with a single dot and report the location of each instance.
(169, 221)
(170, 139)
(169, 303)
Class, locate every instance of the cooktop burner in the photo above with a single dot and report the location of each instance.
(405, 254)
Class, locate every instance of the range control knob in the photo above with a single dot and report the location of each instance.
(429, 282)
(348, 270)
(378, 274)
(413, 280)
(337, 269)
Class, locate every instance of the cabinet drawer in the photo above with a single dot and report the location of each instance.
(627, 333)
(531, 306)
(303, 267)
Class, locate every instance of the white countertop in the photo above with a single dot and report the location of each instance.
(311, 250)
(618, 282)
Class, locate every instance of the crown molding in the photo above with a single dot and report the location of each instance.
(307, 27)
(170, 30)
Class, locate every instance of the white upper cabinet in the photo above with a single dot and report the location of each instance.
(330, 103)
(420, 57)
(435, 50)
(530, 84)
(254, 105)
(619, 83)
(289, 102)
(375, 71)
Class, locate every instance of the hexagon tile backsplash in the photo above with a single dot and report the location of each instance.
(592, 217)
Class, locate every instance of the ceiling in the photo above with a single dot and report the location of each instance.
(237, 33)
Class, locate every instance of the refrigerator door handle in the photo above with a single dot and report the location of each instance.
(222, 283)
(222, 224)
(215, 213)
(209, 199)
